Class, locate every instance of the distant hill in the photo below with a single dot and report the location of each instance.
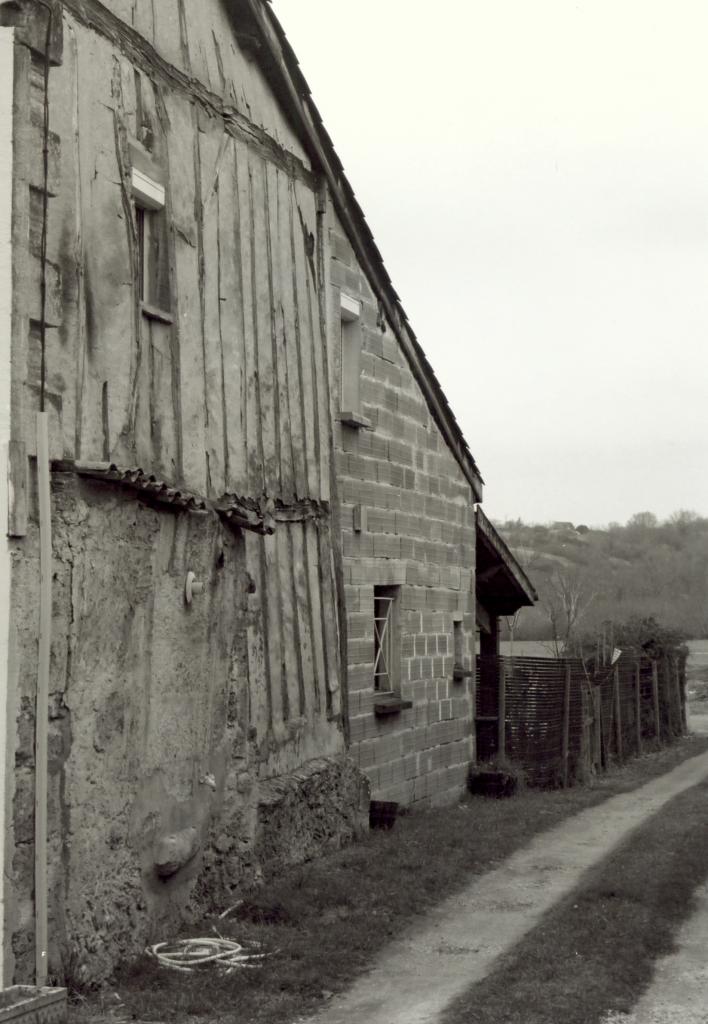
(591, 575)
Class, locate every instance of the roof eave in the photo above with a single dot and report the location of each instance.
(295, 94)
(520, 582)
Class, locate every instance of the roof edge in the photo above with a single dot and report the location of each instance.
(497, 542)
(284, 65)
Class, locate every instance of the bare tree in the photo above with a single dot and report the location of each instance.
(565, 600)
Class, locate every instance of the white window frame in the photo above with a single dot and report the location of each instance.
(386, 641)
(149, 198)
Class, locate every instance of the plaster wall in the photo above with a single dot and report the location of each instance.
(151, 733)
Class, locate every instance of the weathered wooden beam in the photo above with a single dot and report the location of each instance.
(144, 56)
(17, 497)
(484, 619)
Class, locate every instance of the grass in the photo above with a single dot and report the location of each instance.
(594, 952)
(326, 921)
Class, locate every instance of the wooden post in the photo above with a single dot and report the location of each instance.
(618, 714)
(566, 726)
(666, 674)
(675, 690)
(597, 712)
(42, 704)
(680, 698)
(604, 759)
(655, 689)
(638, 705)
(501, 721)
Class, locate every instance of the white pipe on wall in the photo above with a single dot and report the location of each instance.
(6, 155)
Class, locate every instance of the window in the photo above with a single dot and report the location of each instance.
(350, 363)
(153, 273)
(458, 644)
(386, 653)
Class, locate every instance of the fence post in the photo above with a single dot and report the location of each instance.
(618, 714)
(566, 725)
(676, 687)
(501, 721)
(655, 690)
(597, 711)
(681, 701)
(638, 705)
(666, 674)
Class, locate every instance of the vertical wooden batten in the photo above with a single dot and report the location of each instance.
(6, 477)
(324, 293)
(41, 708)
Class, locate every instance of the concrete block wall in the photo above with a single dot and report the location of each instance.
(419, 535)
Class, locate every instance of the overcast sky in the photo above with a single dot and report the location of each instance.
(536, 177)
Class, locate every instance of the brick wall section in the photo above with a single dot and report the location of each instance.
(419, 534)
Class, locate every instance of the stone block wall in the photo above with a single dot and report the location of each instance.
(408, 522)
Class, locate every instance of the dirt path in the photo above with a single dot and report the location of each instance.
(679, 992)
(455, 945)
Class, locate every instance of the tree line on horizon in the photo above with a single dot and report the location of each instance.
(587, 577)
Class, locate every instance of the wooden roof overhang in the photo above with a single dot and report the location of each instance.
(502, 586)
(257, 28)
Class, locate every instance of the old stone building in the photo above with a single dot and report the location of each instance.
(238, 543)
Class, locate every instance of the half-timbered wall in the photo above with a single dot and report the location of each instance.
(167, 715)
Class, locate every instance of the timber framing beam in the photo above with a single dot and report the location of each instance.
(503, 564)
(483, 618)
(138, 50)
